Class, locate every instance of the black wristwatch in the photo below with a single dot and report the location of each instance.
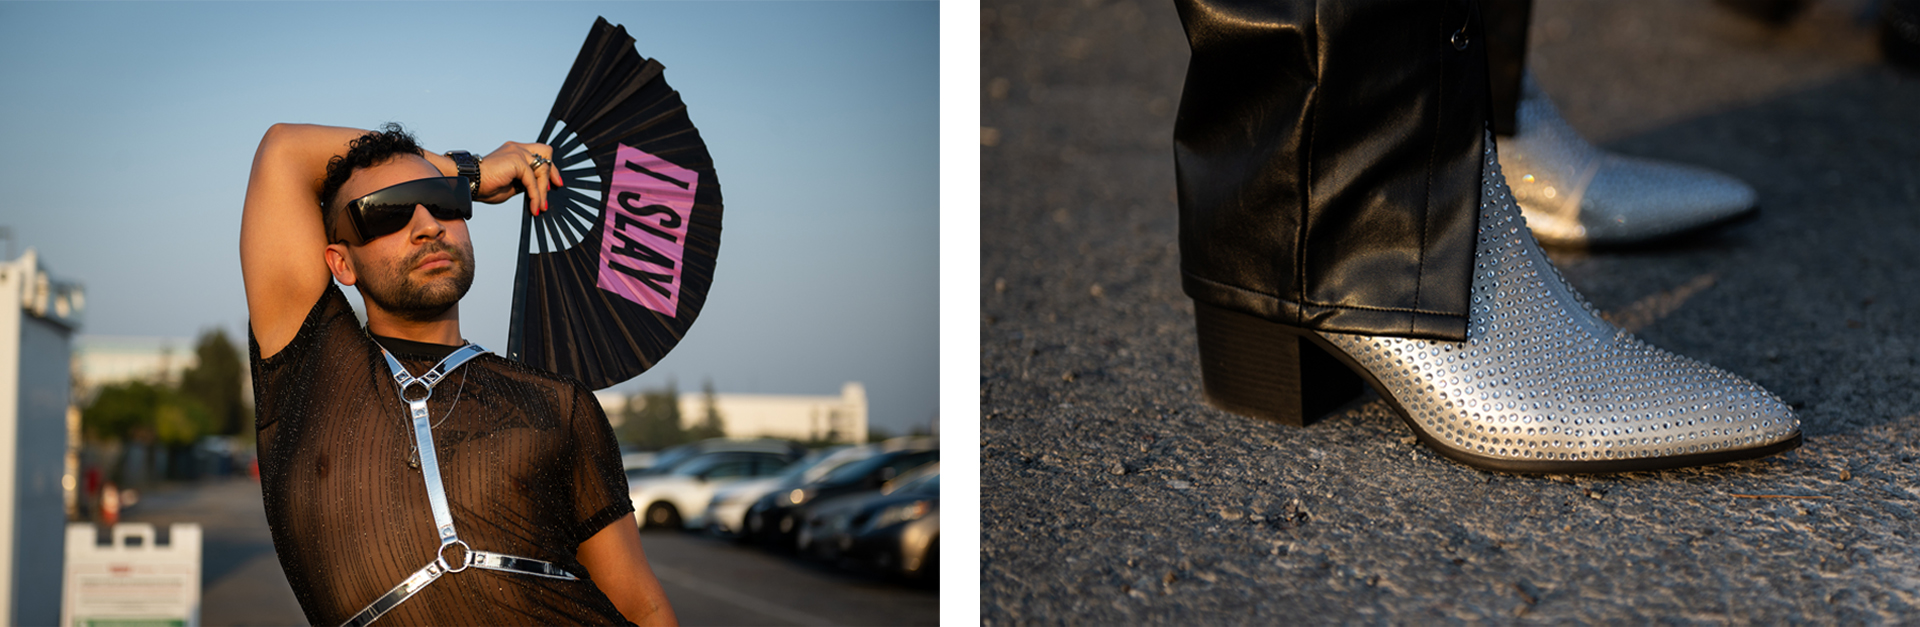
(469, 165)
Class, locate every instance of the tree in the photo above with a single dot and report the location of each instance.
(710, 425)
(216, 383)
(142, 412)
(651, 419)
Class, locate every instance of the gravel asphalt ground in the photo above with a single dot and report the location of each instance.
(1111, 494)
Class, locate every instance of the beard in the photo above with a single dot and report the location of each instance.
(393, 288)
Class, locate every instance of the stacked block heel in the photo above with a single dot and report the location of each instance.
(1254, 367)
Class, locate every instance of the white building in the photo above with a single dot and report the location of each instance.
(103, 359)
(794, 417)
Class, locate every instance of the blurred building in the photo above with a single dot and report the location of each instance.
(106, 359)
(840, 418)
(38, 315)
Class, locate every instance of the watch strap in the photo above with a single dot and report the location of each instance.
(469, 166)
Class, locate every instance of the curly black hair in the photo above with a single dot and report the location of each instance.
(365, 151)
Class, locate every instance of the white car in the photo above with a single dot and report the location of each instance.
(664, 460)
(726, 515)
(678, 497)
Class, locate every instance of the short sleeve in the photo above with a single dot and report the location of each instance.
(600, 482)
(331, 317)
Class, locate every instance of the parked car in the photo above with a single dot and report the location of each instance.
(899, 534)
(774, 518)
(663, 461)
(678, 496)
(826, 527)
(726, 514)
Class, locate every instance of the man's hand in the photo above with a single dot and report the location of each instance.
(509, 170)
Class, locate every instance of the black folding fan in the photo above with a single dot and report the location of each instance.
(611, 276)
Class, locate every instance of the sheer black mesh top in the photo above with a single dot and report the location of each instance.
(529, 463)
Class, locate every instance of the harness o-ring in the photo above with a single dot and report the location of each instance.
(409, 385)
(466, 555)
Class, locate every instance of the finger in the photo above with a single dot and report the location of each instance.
(547, 172)
(536, 194)
(543, 176)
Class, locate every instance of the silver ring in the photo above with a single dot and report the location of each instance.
(539, 161)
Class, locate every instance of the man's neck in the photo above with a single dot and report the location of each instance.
(444, 329)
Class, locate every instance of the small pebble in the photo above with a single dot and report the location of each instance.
(1117, 468)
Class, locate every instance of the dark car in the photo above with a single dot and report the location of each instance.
(775, 518)
(899, 534)
(895, 529)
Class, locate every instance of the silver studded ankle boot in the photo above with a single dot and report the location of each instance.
(1542, 383)
(1575, 194)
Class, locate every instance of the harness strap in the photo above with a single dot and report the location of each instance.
(437, 497)
(423, 429)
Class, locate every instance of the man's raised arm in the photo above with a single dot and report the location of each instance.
(281, 241)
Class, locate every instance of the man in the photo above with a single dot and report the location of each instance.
(534, 526)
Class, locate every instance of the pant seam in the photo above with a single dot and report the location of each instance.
(1306, 166)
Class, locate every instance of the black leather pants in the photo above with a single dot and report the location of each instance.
(1328, 158)
(1507, 22)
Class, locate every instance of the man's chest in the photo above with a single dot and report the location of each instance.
(357, 467)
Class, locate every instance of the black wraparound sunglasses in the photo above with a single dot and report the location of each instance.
(390, 209)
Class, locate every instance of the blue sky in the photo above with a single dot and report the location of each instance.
(130, 129)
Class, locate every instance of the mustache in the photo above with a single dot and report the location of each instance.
(454, 252)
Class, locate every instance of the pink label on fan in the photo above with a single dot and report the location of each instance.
(649, 203)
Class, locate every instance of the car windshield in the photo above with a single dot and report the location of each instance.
(855, 470)
(701, 464)
(800, 467)
(670, 458)
(929, 484)
(816, 467)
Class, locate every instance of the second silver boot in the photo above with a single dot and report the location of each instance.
(1575, 194)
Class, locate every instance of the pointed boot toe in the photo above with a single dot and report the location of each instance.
(1575, 194)
(1632, 200)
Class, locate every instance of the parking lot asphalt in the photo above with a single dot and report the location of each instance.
(1112, 494)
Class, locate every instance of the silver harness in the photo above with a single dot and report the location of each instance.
(437, 498)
